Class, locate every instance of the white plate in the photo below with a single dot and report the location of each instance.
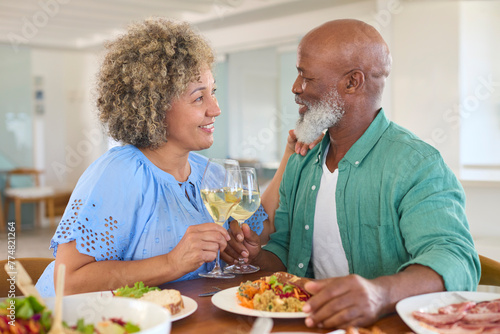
(338, 331)
(431, 302)
(190, 305)
(226, 300)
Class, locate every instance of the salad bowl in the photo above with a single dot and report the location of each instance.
(92, 308)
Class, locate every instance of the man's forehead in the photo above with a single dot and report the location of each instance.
(309, 60)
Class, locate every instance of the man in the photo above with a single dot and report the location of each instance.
(372, 211)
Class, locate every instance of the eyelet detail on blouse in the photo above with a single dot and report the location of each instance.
(93, 243)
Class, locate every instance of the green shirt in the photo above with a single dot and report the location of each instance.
(397, 203)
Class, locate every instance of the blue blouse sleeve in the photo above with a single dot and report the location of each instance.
(256, 222)
(100, 216)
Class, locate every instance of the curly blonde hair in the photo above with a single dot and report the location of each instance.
(143, 72)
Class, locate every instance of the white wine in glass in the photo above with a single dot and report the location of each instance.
(221, 192)
(221, 202)
(249, 203)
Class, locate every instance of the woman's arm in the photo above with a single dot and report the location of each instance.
(84, 274)
(270, 198)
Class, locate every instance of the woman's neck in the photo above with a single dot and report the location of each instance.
(174, 163)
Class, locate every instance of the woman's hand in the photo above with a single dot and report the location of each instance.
(199, 245)
(300, 147)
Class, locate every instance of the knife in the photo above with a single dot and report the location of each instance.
(211, 293)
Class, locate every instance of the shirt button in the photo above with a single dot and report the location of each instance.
(313, 187)
(356, 163)
(301, 265)
(306, 227)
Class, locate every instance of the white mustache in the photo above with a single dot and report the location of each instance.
(299, 101)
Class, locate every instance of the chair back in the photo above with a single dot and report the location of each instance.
(2, 215)
(490, 271)
(33, 173)
(34, 267)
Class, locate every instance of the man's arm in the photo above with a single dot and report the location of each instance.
(355, 301)
(434, 224)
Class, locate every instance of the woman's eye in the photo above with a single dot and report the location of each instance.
(213, 91)
(200, 98)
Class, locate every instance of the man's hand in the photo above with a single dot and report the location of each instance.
(244, 243)
(344, 301)
(300, 147)
(355, 301)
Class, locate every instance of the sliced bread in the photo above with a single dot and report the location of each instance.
(170, 299)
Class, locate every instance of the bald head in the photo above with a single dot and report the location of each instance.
(351, 44)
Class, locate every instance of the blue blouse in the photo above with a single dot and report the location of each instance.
(125, 208)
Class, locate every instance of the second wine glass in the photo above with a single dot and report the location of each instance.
(250, 202)
(220, 192)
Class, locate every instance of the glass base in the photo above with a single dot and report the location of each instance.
(241, 269)
(216, 273)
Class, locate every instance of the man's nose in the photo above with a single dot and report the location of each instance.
(297, 86)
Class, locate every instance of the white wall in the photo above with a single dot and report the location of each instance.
(479, 105)
(16, 109)
(252, 92)
(425, 77)
(71, 138)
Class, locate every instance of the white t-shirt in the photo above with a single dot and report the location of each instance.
(329, 258)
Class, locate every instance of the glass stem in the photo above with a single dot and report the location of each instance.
(241, 264)
(217, 267)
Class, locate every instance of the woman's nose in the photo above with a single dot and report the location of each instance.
(213, 109)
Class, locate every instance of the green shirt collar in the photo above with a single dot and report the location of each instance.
(364, 144)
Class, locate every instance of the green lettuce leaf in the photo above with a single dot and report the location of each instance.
(134, 292)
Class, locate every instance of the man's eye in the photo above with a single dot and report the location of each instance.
(213, 91)
(199, 98)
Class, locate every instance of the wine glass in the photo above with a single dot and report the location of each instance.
(221, 193)
(250, 202)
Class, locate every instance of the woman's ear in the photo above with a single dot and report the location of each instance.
(354, 81)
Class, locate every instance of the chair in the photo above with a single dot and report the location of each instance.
(2, 217)
(22, 195)
(490, 271)
(33, 265)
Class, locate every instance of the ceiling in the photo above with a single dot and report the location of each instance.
(82, 24)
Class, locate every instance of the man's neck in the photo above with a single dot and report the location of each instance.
(345, 134)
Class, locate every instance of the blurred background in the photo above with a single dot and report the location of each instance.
(444, 85)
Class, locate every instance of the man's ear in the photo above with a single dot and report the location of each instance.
(354, 81)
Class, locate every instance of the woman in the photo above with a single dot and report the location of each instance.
(136, 213)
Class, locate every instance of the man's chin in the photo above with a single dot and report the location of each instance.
(307, 138)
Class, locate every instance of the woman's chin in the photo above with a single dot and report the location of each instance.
(205, 146)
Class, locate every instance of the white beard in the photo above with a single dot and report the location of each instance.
(318, 117)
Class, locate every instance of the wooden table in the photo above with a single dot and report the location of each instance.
(210, 319)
